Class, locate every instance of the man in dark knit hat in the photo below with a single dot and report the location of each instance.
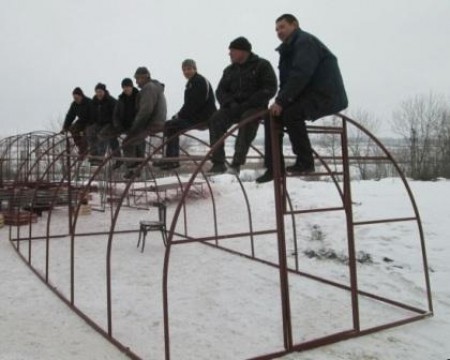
(245, 89)
(199, 104)
(78, 119)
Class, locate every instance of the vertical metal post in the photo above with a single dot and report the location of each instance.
(71, 232)
(279, 191)
(350, 229)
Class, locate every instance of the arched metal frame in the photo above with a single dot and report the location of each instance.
(60, 150)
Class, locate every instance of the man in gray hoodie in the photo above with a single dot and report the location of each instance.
(150, 117)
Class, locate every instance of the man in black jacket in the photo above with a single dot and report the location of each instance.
(199, 105)
(124, 113)
(245, 88)
(78, 119)
(311, 87)
(103, 110)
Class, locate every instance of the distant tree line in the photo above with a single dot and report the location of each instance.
(422, 149)
(423, 122)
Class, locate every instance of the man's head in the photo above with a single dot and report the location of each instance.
(127, 86)
(142, 76)
(285, 25)
(78, 95)
(240, 49)
(100, 91)
(189, 68)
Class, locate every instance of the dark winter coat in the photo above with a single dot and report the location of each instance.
(103, 110)
(248, 85)
(199, 101)
(82, 112)
(152, 108)
(125, 111)
(309, 71)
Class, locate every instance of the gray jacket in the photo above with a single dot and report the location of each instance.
(151, 108)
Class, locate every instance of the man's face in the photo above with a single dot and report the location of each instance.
(238, 56)
(100, 94)
(77, 98)
(188, 71)
(141, 80)
(127, 90)
(285, 29)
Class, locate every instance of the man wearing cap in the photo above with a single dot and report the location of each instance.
(150, 116)
(78, 119)
(245, 88)
(311, 87)
(103, 110)
(199, 104)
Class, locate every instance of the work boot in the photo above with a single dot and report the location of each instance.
(169, 165)
(130, 173)
(217, 168)
(234, 169)
(117, 165)
(266, 177)
(300, 168)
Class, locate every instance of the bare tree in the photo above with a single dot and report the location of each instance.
(423, 123)
(361, 146)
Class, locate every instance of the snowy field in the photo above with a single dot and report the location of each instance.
(225, 306)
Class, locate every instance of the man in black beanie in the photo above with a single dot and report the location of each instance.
(245, 88)
(78, 119)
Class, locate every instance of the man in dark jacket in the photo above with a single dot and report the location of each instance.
(245, 88)
(311, 87)
(78, 119)
(150, 115)
(103, 110)
(199, 105)
(124, 113)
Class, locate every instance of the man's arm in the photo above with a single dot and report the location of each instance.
(70, 117)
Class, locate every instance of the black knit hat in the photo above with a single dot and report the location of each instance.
(241, 43)
(77, 91)
(100, 86)
(142, 70)
(127, 82)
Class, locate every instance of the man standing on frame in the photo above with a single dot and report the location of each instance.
(311, 87)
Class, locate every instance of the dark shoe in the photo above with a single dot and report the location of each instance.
(95, 162)
(266, 177)
(117, 165)
(130, 173)
(170, 165)
(217, 169)
(234, 170)
(159, 163)
(300, 169)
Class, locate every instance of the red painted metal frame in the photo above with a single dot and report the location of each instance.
(55, 149)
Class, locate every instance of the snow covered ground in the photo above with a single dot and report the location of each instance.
(227, 307)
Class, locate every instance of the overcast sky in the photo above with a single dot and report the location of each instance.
(388, 50)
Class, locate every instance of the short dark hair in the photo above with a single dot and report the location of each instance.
(289, 18)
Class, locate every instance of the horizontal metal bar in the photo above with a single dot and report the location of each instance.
(381, 221)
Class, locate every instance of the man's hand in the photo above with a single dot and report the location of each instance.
(275, 109)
